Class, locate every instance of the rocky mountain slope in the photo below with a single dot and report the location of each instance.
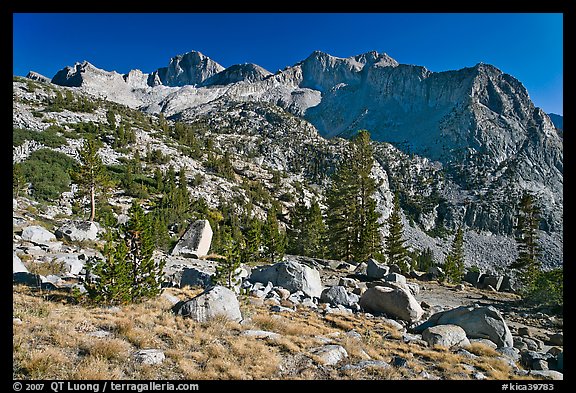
(461, 145)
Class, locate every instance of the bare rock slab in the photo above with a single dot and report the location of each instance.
(213, 302)
(329, 355)
(149, 356)
(395, 302)
(37, 234)
(446, 335)
(195, 242)
(78, 231)
(477, 322)
(17, 265)
(290, 275)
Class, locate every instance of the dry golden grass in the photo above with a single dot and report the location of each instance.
(481, 349)
(54, 341)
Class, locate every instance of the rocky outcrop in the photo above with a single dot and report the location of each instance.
(329, 355)
(477, 322)
(195, 242)
(37, 234)
(375, 270)
(191, 68)
(395, 302)
(446, 336)
(37, 77)
(237, 73)
(290, 275)
(214, 302)
(77, 231)
(338, 295)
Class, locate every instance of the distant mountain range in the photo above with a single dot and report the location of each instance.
(557, 120)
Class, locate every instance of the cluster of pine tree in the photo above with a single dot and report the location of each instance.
(351, 214)
(68, 101)
(537, 285)
(128, 273)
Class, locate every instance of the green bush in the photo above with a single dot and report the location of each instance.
(548, 288)
(48, 172)
(49, 137)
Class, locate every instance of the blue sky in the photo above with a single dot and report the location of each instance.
(528, 46)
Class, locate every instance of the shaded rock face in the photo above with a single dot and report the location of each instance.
(291, 275)
(37, 77)
(70, 76)
(376, 270)
(215, 302)
(195, 242)
(337, 295)
(477, 322)
(190, 68)
(396, 302)
(237, 73)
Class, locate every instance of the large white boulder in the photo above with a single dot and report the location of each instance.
(291, 275)
(477, 322)
(446, 336)
(395, 302)
(17, 265)
(37, 234)
(195, 242)
(213, 302)
(78, 231)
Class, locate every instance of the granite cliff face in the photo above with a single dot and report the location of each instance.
(190, 68)
(471, 139)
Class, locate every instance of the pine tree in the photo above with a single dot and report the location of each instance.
(112, 285)
(274, 241)
(396, 252)
(425, 260)
(307, 230)
(128, 273)
(251, 251)
(341, 199)
(145, 272)
(296, 237)
(454, 262)
(352, 218)
(18, 180)
(159, 179)
(227, 270)
(315, 232)
(91, 175)
(527, 262)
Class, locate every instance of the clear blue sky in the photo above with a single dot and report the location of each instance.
(528, 46)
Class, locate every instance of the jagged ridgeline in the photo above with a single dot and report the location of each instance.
(459, 147)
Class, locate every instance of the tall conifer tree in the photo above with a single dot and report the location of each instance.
(91, 174)
(396, 252)
(352, 217)
(454, 262)
(527, 262)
